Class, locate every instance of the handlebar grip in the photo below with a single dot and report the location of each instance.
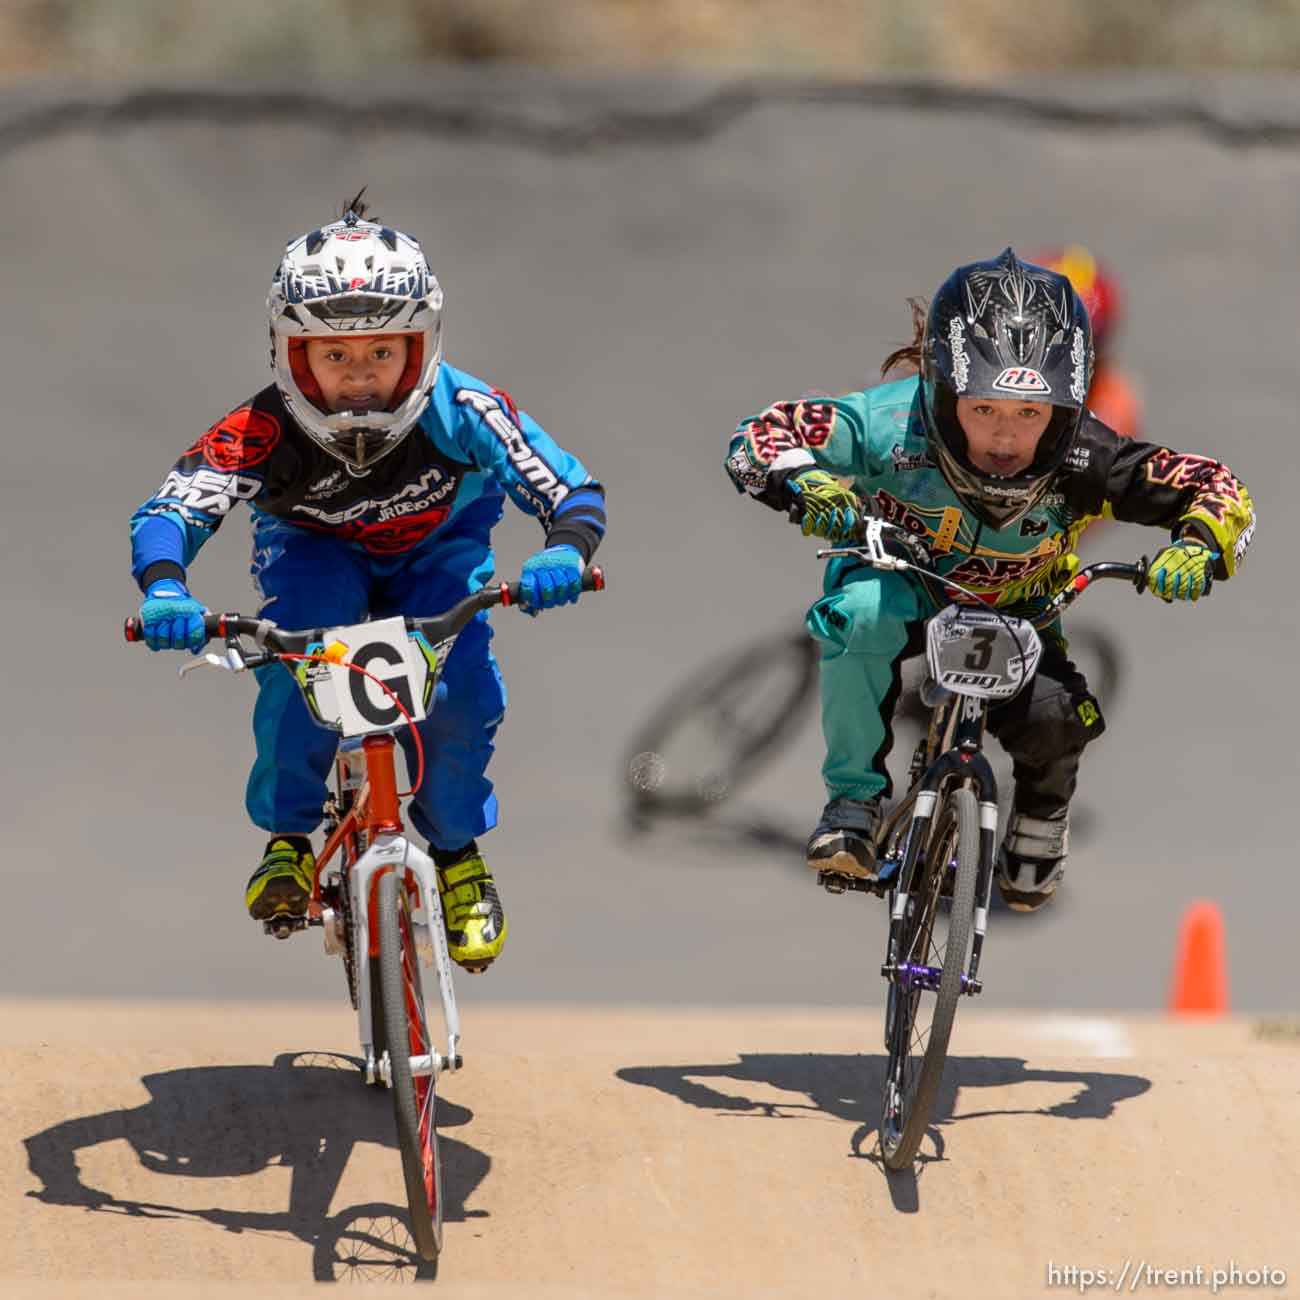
(593, 579)
(133, 628)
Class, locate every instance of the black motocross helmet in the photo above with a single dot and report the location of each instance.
(1004, 329)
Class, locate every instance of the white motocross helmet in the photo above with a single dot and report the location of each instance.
(354, 277)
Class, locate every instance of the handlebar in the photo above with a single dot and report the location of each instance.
(276, 641)
(1134, 573)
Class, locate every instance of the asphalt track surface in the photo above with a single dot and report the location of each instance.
(641, 264)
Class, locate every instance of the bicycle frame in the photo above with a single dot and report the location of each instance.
(957, 724)
(376, 810)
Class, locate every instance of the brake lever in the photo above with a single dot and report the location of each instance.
(232, 661)
(870, 549)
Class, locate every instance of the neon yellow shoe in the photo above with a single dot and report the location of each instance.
(471, 907)
(281, 885)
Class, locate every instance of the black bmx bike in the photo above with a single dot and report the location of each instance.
(938, 843)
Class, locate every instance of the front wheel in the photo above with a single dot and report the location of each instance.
(923, 993)
(407, 1034)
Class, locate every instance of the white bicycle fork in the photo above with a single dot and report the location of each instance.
(397, 853)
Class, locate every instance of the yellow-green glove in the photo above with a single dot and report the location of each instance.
(828, 508)
(1183, 571)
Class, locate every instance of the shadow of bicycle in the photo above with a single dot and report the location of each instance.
(306, 1112)
(850, 1087)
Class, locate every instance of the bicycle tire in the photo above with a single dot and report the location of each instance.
(721, 725)
(899, 1142)
(414, 1097)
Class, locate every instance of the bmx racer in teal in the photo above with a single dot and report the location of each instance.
(990, 457)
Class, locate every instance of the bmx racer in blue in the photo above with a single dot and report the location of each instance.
(375, 473)
(991, 457)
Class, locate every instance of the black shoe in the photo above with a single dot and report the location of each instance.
(844, 841)
(1032, 861)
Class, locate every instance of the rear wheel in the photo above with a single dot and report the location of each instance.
(407, 1034)
(922, 1002)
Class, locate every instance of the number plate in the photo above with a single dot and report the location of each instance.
(347, 701)
(977, 652)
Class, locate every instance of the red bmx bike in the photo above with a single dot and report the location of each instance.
(375, 893)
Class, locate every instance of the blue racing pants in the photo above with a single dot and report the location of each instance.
(312, 580)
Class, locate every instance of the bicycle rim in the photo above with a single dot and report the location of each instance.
(919, 1020)
(414, 1097)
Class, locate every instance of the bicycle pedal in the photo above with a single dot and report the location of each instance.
(835, 883)
(281, 927)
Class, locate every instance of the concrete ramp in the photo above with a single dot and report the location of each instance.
(185, 1149)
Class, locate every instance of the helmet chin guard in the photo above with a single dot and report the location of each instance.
(354, 277)
(1004, 329)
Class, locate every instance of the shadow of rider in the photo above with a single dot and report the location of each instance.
(307, 1111)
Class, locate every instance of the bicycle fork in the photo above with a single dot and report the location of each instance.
(913, 972)
(397, 853)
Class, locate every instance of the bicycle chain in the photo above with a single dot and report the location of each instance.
(349, 941)
(336, 807)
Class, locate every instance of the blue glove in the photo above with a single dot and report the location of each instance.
(551, 577)
(171, 618)
(1183, 571)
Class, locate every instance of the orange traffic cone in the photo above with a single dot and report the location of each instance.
(1200, 984)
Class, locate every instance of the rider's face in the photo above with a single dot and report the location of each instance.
(1002, 433)
(359, 373)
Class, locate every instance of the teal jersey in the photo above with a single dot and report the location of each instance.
(877, 439)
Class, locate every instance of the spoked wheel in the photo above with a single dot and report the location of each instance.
(407, 1033)
(720, 726)
(922, 1001)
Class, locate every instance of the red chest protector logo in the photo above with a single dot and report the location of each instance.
(239, 440)
(390, 537)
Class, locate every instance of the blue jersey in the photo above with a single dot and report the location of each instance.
(444, 482)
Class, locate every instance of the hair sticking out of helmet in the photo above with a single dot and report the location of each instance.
(1004, 329)
(908, 358)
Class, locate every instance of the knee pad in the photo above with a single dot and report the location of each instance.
(1053, 723)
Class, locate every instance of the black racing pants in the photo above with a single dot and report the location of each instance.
(1044, 729)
